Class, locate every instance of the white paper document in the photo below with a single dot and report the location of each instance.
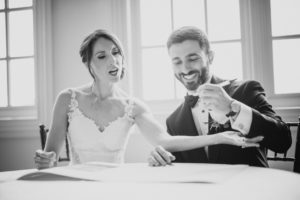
(139, 172)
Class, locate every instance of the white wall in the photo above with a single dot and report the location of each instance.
(17, 145)
(71, 22)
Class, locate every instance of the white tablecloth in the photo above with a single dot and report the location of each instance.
(138, 181)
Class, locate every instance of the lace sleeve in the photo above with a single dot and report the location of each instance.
(129, 109)
(73, 104)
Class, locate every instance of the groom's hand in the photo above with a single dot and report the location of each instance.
(160, 157)
(215, 99)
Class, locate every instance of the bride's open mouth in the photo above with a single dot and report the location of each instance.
(114, 72)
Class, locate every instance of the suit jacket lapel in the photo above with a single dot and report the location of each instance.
(183, 124)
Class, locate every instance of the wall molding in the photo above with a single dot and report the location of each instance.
(18, 129)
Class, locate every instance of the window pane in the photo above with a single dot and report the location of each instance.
(286, 66)
(189, 13)
(285, 17)
(158, 75)
(1, 4)
(227, 61)
(3, 84)
(19, 3)
(21, 33)
(223, 19)
(2, 36)
(155, 21)
(22, 81)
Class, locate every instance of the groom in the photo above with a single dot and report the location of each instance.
(214, 105)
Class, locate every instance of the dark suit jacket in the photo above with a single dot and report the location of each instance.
(277, 136)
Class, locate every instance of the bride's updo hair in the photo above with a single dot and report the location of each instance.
(86, 48)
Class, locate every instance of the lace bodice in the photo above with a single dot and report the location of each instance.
(88, 142)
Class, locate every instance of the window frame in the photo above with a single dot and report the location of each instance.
(9, 111)
(260, 44)
(43, 72)
(256, 41)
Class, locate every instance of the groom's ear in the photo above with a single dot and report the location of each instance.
(211, 55)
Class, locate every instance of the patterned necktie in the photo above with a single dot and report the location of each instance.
(191, 100)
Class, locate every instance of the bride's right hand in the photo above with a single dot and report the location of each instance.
(44, 159)
(236, 138)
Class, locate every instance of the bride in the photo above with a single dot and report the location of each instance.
(97, 117)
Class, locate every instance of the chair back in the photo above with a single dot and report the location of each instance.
(43, 135)
(296, 157)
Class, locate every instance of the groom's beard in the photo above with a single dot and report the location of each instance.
(202, 77)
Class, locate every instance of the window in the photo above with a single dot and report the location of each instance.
(17, 58)
(172, 14)
(286, 45)
(257, 40)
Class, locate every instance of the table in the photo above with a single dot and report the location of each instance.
(139, 181)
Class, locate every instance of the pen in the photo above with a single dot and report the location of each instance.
(224, 83)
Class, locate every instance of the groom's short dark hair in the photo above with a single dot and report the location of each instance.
(189, 33)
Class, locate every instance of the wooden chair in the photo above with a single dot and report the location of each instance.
(296, 157)
(43, 135)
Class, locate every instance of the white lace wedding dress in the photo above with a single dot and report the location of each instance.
(88, 143)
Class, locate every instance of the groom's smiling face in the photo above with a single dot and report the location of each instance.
(190, 63)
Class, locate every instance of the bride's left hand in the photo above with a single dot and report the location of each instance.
(236, 138)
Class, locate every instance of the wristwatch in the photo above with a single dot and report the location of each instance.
(235, 108)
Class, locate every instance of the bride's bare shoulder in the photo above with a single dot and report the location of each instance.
(84, 89)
